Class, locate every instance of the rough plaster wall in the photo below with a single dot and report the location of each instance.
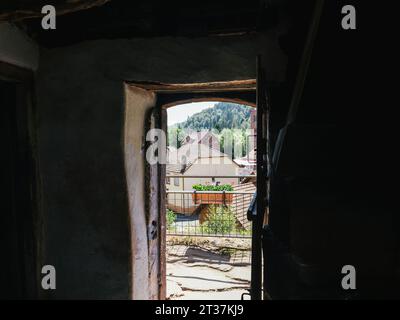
(81, 132)
(17, 48)
(81, 118)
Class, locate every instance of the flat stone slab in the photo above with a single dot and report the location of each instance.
(194, 254)
(213, 295)
(240, 273)
(202, 278)
(173, 290)
(216, 266)
(208, 272)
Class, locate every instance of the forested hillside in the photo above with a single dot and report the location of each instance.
(223, 115)
(229, 122)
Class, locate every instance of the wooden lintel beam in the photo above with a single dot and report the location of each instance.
(226, 86)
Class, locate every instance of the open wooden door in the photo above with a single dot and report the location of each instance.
(260, 207)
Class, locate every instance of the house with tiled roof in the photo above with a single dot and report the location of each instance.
(248, 163)
(196, 163)
(205, 137)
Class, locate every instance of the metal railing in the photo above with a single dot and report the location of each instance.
(208, 213)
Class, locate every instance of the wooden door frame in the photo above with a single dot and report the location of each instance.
(169, 95)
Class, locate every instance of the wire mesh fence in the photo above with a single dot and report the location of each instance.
(208, 213)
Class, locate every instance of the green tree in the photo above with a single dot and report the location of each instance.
(175, 136)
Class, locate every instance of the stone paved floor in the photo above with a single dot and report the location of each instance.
(196, 273)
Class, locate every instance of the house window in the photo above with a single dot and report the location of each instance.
(168, 180)
(176, 182)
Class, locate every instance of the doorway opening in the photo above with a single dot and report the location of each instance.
(146, 131)
(210, 183)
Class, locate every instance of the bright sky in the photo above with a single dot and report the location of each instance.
(181, 112)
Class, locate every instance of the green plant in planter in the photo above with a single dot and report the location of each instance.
(222, 187)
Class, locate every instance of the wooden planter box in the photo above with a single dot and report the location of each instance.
(212, 198)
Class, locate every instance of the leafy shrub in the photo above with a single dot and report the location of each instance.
(171, 218)
(220, 220)
(202, 187)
